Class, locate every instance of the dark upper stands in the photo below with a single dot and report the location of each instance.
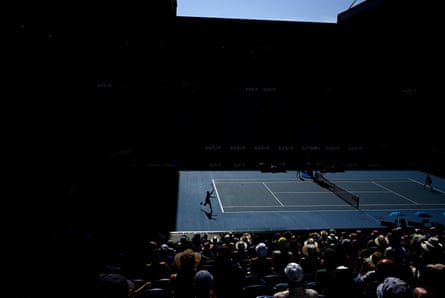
(173, 87)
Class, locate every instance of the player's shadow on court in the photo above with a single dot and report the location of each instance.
(435, 191)
(209, 214)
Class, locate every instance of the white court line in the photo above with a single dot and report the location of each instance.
(272, 194)
(312, 192)
(218, 196)
(397, 194)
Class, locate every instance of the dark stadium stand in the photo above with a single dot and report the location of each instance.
(110, 101)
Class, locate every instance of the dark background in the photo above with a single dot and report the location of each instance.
(111, 99)
(107, 102)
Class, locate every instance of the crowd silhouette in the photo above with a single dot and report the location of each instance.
(355, 263)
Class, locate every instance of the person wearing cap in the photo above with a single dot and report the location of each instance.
(311, 255)
(282, 255)
(241, 251)
(432, 250)
(295, 276)
(165, 253)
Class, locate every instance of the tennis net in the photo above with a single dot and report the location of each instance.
(342, 193)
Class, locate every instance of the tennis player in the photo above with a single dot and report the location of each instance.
(428, 182)
(208, 197)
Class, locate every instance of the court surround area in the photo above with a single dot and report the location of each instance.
(258, 201)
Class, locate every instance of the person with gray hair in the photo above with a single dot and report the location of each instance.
(394, 287)
(203, 281)
(296, 289)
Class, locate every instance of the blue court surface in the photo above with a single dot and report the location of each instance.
(258, 201)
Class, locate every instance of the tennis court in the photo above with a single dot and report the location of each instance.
(253, 200)
(279, 195)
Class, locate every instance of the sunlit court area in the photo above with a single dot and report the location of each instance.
(256, 201)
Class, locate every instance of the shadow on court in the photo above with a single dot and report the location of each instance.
(209, 214)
